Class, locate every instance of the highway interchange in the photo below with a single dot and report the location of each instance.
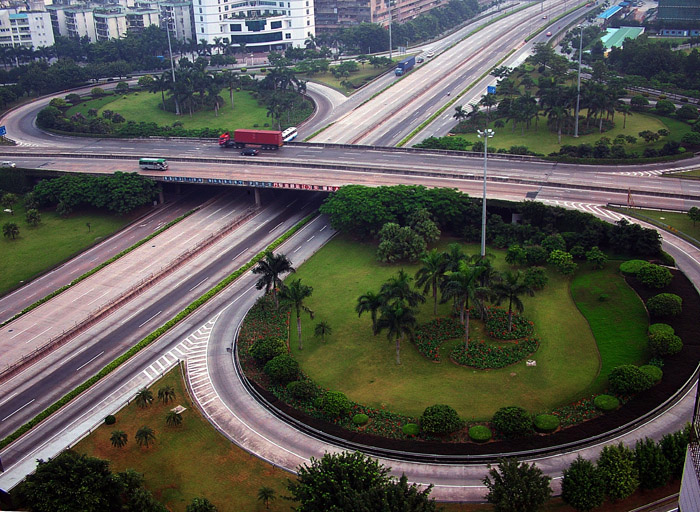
(578, 186)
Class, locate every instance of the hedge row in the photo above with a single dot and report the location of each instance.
(152, 336)
(97, 268)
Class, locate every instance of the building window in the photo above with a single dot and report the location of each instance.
(201, 18)
(200, 10)
(308, 22)
(287, 36)
(235, 27)
(307, 12)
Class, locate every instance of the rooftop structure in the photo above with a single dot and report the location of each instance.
(615, 37)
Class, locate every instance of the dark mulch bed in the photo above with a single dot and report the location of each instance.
(677, 370)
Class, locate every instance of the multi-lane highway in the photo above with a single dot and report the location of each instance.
(299, 165)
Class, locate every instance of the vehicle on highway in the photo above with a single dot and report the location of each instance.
(405, 66)
(264, 139)
(249, 152)
(548, 34)
(8, 163)
(153, 164)
(430, 54)
(419, 60)
(290, 134)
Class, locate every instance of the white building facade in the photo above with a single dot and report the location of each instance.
(261, 25)
(31, 29)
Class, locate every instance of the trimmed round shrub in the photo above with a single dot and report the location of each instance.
(440, 419)
(631, 267)
(661, 329)
(282, 369)
(410, 429)
(628, 379)
(110, 420)
(654, 276)
(335, 403)
(654, 372)
(267, 348)
(665, 305)
(480, 433)
(512, 421)
(360, 419)
(546, 423)
(662, 345)
(606, 403)
(302, 390)
(535, 277)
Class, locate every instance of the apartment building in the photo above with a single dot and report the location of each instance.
(31, 29)
(333, 14)
(261, 25)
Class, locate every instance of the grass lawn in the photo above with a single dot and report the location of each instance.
(361, 365)
(541, 140)
(678, 221)
(692, 175)
(145, 106)
(365, 74)
(619, 321)
(187, 461)
(54, 240)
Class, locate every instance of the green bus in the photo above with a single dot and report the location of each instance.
(154, 164)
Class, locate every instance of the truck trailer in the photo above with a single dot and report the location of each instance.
(405, 66)
(264, 139)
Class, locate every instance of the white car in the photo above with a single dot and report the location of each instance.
(8, 163)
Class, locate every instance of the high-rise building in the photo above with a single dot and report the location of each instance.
(258, 24)
(333, 14)
(31, 29)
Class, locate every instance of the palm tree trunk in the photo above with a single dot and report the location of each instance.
(466, 332)
(398, 349)
(301, 346)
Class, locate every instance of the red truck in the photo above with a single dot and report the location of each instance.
(265, 139)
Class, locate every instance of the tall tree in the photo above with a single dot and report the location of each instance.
(296, 293)
(582, 485)
(271, 268)
(145, 436)
(517, 487)
(431, 273)
(370, 302)
(398, 288)
(511, 287)
(144, 397)
(119, 438)
(399, 320)
(166, 393)
(462, 285)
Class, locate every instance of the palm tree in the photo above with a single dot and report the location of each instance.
(399, 320)
(460, 113)
(323, 329)
(398, 288)
(462, 285)
(370, 302)
(160, 84)
(10, 230)
(166, 394)
(145, 436)
(296, 293)
(511, 287)
(118, 438)
(271, 267)
(266, 495)
(431, 273)
(173, 419)
(625, 110)
(144, 398)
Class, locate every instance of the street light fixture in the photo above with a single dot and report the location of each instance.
(486, 134)
(578, 92)
(172, 63)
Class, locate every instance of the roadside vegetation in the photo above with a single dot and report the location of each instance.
(686, 225)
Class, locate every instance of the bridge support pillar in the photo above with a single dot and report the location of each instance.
(161, 196)
(256, 191)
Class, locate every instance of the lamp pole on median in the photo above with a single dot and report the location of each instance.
(172, 63)
(578, 91)
(486, 134)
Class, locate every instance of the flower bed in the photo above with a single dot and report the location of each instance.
(429, 336)
(483, 356)
(497, 325)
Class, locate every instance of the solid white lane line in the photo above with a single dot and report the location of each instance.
(159, 312)
(12, 414)
(278, 225)
(240, 254)
(195, 286)
(8, 398)
(90, 361)
(35, 337)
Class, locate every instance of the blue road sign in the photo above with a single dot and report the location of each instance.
(491, 89)
(3, 130)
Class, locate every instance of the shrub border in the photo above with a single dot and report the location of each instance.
(150, 338)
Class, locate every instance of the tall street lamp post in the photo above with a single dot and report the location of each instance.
(391, 3)
(578, 92)
(486, 134)
(172, 64)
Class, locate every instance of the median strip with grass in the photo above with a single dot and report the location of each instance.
(677, 223)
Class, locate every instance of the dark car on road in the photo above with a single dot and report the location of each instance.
(249, 152)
